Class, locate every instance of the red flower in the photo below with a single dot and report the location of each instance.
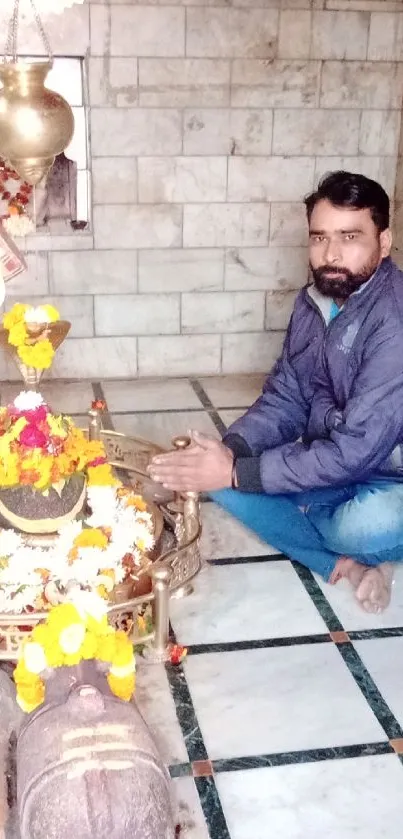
(177, 654)
(32, 437)
(98, 461)
(37, 415)
(34, 416)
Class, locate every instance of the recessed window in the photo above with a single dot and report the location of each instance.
(62, 202)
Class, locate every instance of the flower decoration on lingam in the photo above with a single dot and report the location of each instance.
(73, 632)
(54, 480)
(31, 334)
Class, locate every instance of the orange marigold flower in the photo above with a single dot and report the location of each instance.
(29, 476)
(136, 501)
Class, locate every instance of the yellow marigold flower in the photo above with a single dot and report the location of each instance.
(124, 653)
(44, 467)
(40, 634)
(16, 429)
(72, 659)
(29, 697)
(39, 355)
(99, 628)
(63, 465)
(26, 707)
(91, 537)
(61, 617)
(29, 686)
(106, 648)
(15, 315)
(89, 647)
(94, 449)
(21, 674)
(54, 655)
(17, 334)
(123, 688)
(138, 502)
(9, 472)
(51, 312)
(57, 426)
(101, 476)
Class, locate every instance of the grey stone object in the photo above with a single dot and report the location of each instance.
(87, 766)
(10, 720)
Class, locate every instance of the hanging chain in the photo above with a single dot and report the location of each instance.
(41, 29)
(12, 34)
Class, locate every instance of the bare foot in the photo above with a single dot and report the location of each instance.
(347, 568)
(373, 586)
(375, 589)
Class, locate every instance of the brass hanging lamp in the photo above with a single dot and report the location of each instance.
(36, 124)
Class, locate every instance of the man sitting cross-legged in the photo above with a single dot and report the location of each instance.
(315, 466)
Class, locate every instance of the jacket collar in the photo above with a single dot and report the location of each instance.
(369, 289)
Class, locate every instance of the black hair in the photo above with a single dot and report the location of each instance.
(345, 189)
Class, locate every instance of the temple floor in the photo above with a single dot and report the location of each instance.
(286, 718)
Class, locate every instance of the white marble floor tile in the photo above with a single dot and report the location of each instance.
(223, 536)
(156, 704)
(228, 417)
(66, 397)
(262, 701)
(161, 428)
(245, 602)
(233, 391)
(383, 658)
(359, 798)
(341, 599)
(69, 397)
(150, 395)
(189, 813)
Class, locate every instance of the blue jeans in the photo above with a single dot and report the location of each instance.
(364, 521)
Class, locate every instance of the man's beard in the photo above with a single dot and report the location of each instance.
(344, 284)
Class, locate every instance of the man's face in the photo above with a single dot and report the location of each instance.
(345, 248)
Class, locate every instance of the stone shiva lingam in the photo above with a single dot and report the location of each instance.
(86, 763)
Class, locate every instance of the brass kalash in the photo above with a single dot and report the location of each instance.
(175, 559)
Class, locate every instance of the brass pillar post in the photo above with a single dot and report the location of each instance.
(159, 650)
(94, 424)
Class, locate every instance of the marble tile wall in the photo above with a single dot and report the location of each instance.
(208, 124)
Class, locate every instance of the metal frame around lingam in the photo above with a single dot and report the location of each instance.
(171, 573)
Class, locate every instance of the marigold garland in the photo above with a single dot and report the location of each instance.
(70, 635)
(23, 324)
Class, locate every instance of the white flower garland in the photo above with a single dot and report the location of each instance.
(22, 568)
